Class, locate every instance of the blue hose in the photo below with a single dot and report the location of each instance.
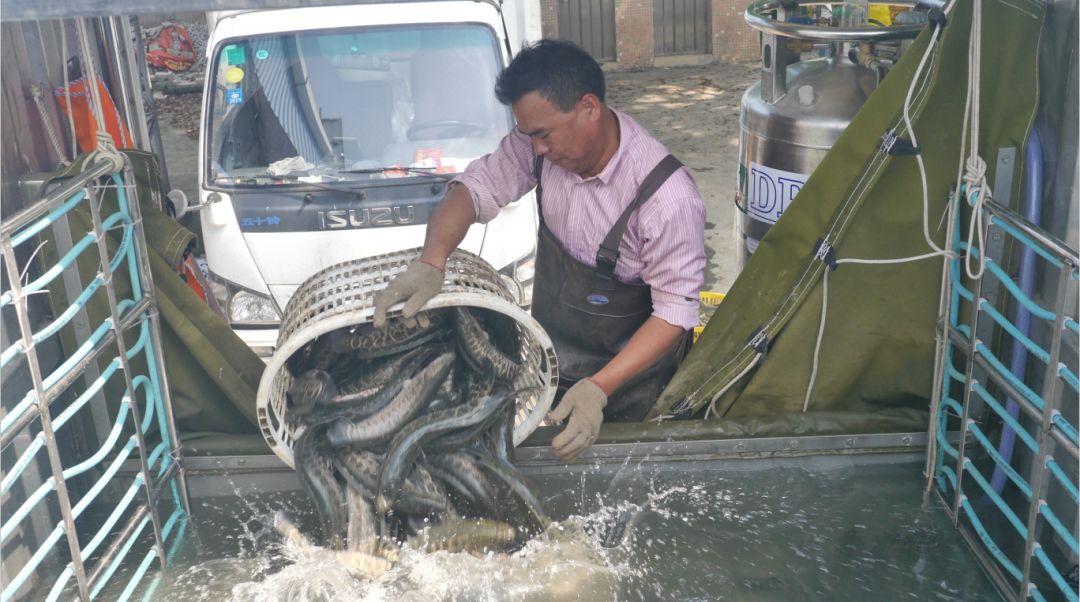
(1033, 185)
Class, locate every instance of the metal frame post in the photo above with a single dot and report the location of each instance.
(1039, 482)
(41, 401)
(99, 412)
(973, 341)
(150, 293)
(121, 345)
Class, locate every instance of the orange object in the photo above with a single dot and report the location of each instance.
(171, 49)
(192, 275)
(427, 157)
(85, 122)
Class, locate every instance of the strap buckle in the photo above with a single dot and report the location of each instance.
(759, 340)
(897, 146)
(606, 259)
(825, 252)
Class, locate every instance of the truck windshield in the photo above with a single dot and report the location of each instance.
(347, 104)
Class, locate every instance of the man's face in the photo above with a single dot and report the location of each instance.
(571, 139)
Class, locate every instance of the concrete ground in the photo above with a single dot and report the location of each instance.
(693, 110)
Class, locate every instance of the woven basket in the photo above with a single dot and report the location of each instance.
(343, 295)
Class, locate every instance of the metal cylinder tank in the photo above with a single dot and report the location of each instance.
(793, 116)
(782, 142)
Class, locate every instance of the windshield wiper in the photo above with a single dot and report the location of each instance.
(422, 171)
(289, 180)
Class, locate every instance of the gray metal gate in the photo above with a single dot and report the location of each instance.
(589, 24)
(681, 27)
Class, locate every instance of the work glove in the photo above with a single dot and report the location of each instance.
(415, 286)
(584, 404)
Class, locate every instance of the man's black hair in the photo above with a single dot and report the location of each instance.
(560, 71)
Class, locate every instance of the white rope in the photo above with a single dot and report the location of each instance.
(820, 334)
(738, 377)
(974, 178)
(941, 344)
(914, 142)
(54, 142)
(90, 74)
(942, 253)
(971, 173)
(67, 90)
(105, 147)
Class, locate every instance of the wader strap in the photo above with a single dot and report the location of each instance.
(608, 254)
(538, 168)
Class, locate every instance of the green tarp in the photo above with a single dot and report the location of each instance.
(876, 357)
(877, 347)
(212, 374)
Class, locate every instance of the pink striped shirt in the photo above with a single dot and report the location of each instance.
(664, 244)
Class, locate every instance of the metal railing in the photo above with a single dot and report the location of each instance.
(1018, 532)
(123, 353)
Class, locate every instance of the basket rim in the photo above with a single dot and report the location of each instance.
(364, 315)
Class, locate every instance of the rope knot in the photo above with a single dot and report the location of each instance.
(974, 170)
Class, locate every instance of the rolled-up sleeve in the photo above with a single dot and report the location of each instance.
(501, 177)
(674, 255)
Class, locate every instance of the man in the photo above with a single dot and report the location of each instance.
(617, 281)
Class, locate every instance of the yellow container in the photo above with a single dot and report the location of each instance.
(881, 14)
(712, 300)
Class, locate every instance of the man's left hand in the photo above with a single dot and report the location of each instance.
(584, 404)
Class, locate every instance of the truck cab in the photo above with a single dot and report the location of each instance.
(330, 134)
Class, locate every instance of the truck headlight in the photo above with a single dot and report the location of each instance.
(518, 276)
(242, 306)
(246, 306)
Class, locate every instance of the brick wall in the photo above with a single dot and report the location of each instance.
(634, 33)
(549, 18)
(732, 39)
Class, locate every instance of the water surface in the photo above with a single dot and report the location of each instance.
(819, 528)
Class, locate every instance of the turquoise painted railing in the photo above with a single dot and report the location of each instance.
(1018, 532)
(124, 349)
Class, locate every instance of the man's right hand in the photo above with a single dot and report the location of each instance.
(415, 286)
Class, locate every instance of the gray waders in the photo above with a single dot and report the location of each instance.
(590, 315)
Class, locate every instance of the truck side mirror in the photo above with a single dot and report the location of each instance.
(179, 203)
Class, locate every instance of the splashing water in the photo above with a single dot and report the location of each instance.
(563, 563)
(690, 531)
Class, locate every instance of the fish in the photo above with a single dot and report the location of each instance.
(414, 394)
(358, 378)
(420, 493)
(398, 336)
(465, 535)
(453, 484)
(309, 389)
(477, 387)
(518, 487)
(482, 492)
(361, 534)
(318, 480)
(407, 443)
(352, 410)
(353, 407)
(365, 564)
(477, 347)
(404, 431)
(501, 437)
(458, 439)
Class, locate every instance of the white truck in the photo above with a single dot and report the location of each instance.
(329, 133)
